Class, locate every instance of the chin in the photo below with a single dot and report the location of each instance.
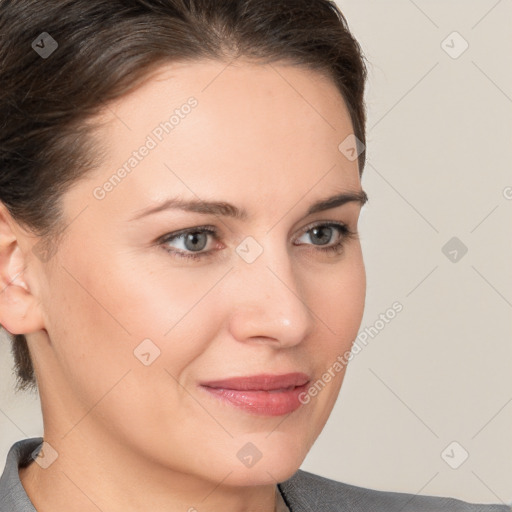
(266, 474)
(266, 467)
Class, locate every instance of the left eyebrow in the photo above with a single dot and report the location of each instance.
(347, 197)
(229, 210)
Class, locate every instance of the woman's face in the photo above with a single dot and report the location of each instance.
(134, 328)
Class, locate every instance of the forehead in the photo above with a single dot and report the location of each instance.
(254, 127)
(229, 82)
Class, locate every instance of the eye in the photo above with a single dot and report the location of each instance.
(323, 233)
(193, 240)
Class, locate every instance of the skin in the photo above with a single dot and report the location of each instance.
(132, 437)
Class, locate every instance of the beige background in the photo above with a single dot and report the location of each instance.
(439, 164)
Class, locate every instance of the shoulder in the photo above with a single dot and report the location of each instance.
(307, 492)
(13, 497)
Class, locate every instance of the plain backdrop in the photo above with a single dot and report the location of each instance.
(426, 405)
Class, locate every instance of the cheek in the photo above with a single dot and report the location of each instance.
(352, 294)
(340, 301)
(109, 317)
(340, 306)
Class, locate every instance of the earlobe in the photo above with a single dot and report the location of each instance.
(19, 309)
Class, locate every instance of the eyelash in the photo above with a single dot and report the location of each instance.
(345, 235)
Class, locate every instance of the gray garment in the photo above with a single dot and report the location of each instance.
(303, 492)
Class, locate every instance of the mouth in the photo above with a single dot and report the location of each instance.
(268, 395)
(262, 382)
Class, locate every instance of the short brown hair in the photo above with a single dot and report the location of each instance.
(103, 51)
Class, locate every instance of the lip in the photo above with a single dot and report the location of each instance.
(265, 394)
(262, 382)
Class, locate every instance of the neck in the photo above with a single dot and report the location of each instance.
(94, 473)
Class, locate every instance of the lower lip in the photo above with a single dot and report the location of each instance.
(267, 403)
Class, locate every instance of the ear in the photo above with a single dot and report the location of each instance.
(19, 309)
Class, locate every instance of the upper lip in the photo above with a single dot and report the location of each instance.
(263, 382)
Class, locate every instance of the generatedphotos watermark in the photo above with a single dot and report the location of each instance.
(152, 140)
(343, 359)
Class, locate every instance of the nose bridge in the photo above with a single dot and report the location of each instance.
(269, 301)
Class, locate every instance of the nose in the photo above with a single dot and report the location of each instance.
(268, 302)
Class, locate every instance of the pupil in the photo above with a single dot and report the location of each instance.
(193, 237)
(325, 239)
